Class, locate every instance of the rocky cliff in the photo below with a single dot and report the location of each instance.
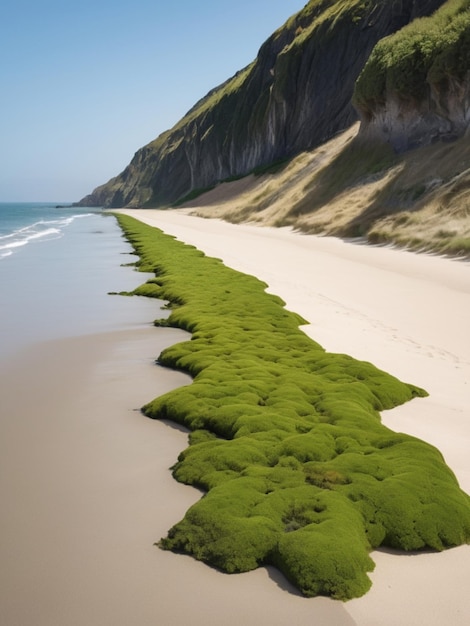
(415, 87)
(294, 96)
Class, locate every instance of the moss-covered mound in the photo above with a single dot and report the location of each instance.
(286, 439)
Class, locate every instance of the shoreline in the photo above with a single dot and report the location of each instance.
(405, 313)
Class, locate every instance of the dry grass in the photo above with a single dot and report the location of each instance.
(345, 188)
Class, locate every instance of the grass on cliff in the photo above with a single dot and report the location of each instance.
(286, 439)
(428, 51)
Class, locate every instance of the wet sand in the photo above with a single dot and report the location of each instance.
(86, 490)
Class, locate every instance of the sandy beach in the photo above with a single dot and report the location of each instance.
(85, 483)
(404, 312)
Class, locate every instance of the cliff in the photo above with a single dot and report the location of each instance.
(415, 87)
(293, 97)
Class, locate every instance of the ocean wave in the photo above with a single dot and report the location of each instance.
(42, 230)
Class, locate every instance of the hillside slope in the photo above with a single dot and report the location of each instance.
(293, 97)
(347, 188)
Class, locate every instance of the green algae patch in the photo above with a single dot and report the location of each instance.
(286, 439)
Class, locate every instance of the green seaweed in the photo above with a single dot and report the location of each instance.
(286, 439)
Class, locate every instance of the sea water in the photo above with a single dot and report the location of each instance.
(25, 223)
(57, 267)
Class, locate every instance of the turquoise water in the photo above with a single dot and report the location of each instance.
(57, 267)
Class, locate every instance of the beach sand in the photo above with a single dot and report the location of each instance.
(406, 313)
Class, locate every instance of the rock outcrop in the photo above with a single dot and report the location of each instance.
(293, 97)
(415, 88)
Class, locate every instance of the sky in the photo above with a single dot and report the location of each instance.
(85, 84)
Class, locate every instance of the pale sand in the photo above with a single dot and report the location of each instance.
(406, 313)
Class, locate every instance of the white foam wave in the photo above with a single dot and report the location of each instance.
(30, 236)
(42, 230)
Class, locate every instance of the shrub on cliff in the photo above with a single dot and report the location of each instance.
(426, 51)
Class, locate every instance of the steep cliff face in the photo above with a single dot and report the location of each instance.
(415, 87)
(294, 96)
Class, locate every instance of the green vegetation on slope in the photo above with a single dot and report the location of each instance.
(225, 105)
(286, 439)
(430, 50)
(318, 17)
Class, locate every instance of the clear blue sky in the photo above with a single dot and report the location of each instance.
(85, 84)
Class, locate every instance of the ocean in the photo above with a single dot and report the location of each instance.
(25, 223)
(57, 267)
